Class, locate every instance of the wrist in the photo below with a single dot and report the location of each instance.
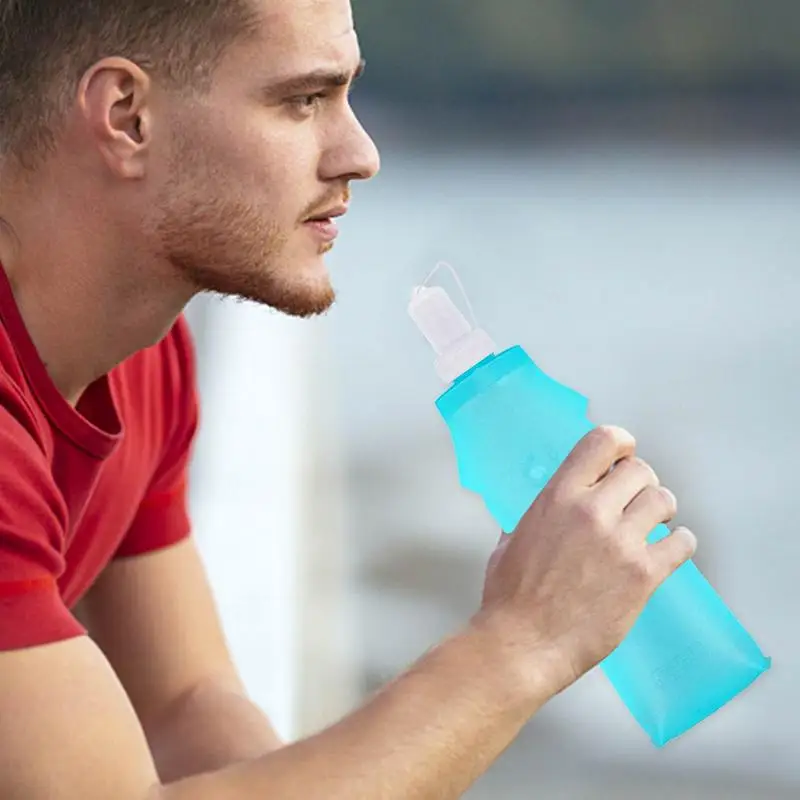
(529, 671)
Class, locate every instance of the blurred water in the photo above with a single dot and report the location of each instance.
(664, 284)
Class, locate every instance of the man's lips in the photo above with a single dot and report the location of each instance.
(330, 213)
(323, 224)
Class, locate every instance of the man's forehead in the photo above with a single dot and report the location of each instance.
(304, 20)
(307, 32)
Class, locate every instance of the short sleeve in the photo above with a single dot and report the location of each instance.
(32, 536)
(163, 515)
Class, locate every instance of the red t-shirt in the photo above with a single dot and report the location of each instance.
(82, 486)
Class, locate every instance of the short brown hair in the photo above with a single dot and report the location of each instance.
(47, 45)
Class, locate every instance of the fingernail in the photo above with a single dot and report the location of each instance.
(683, 531)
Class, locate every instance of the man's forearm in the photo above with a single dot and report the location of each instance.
(212, 727)
(430, 734)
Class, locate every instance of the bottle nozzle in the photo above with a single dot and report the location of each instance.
(457, 343)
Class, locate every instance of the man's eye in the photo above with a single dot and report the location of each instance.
(308, 102)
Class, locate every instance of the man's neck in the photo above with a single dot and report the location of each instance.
(87, 301)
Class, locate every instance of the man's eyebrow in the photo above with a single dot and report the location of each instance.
(315, 80)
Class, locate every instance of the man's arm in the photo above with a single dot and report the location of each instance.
(154, 618)
(68, 732)
(560, 595)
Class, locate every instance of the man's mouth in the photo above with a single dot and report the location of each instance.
(329, 214)
(324, 225)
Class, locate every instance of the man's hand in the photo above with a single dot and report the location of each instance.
(572, 579)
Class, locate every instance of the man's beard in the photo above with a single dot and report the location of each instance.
(228, 248)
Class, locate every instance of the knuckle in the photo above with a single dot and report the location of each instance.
(599, 437)
(670, 502)
(647, 471)
(660, 499)
(612, 434)
(638, 471)
(640, 570)
(556, 493)
(590, 513)
(603, 432)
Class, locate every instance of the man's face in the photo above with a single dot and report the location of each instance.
(252, 161)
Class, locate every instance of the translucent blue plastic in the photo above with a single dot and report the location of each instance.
(687, 655)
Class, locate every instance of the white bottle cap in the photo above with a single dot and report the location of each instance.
(458, 345)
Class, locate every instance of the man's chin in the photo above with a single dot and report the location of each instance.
(308, 298)
(300, 287)
(304, 306)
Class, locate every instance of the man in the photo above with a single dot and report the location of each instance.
(151, 150)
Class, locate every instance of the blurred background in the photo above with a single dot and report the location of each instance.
(618, 184)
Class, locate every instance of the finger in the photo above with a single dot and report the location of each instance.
(672, 552)
(628, 478)
(595, 454)
(652, 506)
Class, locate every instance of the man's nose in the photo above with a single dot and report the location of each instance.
(355, 156)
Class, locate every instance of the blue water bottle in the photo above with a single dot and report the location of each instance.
(512, 426)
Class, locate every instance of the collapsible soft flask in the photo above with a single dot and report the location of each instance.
(512, 426)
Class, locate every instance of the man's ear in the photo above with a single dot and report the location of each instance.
(114, 99)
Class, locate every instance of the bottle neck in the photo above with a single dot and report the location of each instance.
(480, 377)
(474, 368)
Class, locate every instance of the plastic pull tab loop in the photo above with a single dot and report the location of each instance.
(445, 265)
